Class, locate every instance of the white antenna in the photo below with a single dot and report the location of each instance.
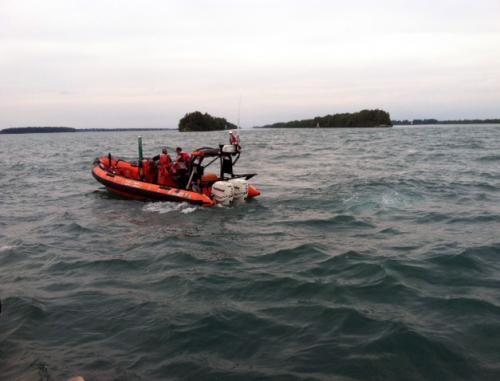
(239, 110)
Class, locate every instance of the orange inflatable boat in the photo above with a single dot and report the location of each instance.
(157, 179)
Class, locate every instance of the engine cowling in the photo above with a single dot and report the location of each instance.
(240, 189)
(223, 192)
(229, 148)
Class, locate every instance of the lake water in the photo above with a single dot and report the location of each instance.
(372, 254)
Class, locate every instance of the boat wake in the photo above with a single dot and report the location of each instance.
(169, 207)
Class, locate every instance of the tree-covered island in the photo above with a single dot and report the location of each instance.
(196, 121)
(363, 118)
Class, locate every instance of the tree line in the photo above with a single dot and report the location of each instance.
(30, 130)
(417, 122)
(363, 118)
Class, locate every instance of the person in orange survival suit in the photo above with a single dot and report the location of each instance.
(182, 162)
(234, 140)
(181, 167)
(164, 166)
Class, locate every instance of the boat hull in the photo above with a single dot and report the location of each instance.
(140, 190)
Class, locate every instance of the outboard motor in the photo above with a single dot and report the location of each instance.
(223, 192)
(240, 189)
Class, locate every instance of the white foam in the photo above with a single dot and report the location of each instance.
(170, 207)
(5, 248)
(189, 210)
(393, 199)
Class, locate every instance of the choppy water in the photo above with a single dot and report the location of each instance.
(372, 255)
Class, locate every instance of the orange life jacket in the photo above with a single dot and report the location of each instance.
(164, 169)
(165, 160)
(182, 162)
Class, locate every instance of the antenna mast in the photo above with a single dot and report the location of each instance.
(239, 110)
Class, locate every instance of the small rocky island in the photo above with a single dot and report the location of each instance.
(196, 121)
(363, 118)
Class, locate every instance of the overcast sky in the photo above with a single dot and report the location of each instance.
(125, 63)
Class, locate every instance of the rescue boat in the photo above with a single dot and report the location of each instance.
(144, 179)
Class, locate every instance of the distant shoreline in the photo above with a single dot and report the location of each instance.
(47, 130)
(410, 123)
(426, 122)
